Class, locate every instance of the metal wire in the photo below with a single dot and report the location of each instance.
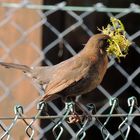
(18, 109)
(60, 116)
(99, 7)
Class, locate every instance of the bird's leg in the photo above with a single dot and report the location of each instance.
(74, 118)
(87, 114)
(68, 108)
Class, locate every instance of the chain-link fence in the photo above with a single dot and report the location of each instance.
(32, 33)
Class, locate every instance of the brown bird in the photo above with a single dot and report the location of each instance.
(78, 75)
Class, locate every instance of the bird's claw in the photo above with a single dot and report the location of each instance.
(74, 118)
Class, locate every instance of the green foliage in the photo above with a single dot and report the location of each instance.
(118, 43)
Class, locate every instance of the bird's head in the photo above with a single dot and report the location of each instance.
(101, 40)
(97, 43)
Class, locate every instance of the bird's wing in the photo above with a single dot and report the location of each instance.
(65, 75)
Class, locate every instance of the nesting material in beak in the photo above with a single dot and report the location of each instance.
(118, 43)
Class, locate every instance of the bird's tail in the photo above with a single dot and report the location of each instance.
(24, 68)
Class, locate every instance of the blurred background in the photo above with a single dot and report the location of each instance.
(33, 33)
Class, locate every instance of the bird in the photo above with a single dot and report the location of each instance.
(77, 75)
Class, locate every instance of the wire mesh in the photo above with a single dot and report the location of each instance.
(54, 125)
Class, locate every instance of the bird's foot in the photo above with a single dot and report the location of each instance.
(74, 118)
(70, 110)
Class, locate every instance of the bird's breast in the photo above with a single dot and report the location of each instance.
(90, 81)
(96, 73)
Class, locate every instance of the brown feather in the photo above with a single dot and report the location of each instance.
(77, 75)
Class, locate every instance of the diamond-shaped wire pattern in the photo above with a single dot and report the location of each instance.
(62, 30)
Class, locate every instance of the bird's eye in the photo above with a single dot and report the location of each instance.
(104, 43)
